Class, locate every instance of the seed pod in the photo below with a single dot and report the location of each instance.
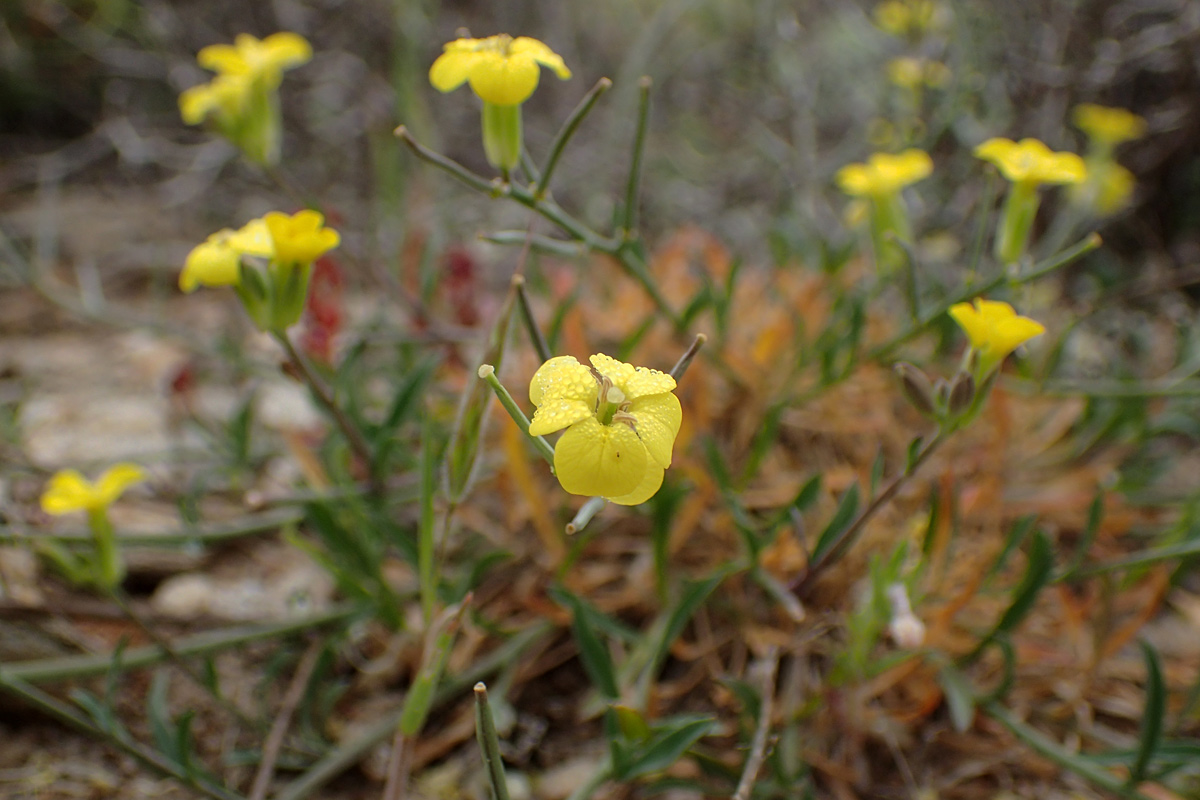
(917, 388)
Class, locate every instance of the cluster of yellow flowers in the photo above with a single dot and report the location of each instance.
(241, 99)
(273, 296)
(1109, 186)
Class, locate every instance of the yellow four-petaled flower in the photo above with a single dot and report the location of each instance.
(994, 330)
(621, 422)
(501, 70)
(1029, 161)
(300, 238)
(68, 491)
(884, 173)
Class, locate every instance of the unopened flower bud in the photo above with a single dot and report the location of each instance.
(962, 394)
(906, 630)
(917, 387)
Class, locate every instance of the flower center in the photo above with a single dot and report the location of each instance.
(500, 43)
(611, 403)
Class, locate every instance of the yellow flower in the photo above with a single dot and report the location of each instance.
(1029, 161)
(884, 173)
(502, 70)
(994, 330)
(901, 17)
(300, 238)
(621, 422)
(217, 262)
(69, 491)
(225, 94)
(1108, 126)
(257, 59)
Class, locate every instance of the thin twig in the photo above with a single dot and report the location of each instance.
(295, 692)
(685, 360)
(531, 326)
(399, 765)
(769, 665)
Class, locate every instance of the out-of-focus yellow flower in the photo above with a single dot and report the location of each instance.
(301, 237)
(225, 95)
(914, 73)
(884, 173)
(621, 422)
(217, 261)
(994, 330)
(1108, 126)
(1108, 189)
(68, 491)
(502, 70)
(906, 17)
(264, 59)
(1030, 161)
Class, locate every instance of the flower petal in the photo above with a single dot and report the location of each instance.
(658, 418)
(651, 482)
(223, 58)
(557, 413)
(66, 492)
(646, 382)
(253, 239)
(616, 371)
(600, 460)
(284, 50)
(115, 480)
(562, 378)
(213, 263)
(542, 54)
(501, 80)
(451, 68)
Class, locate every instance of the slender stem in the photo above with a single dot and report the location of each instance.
(472, 179)
(274, 742)
(629, 224)
(353, 435)
(119, 739)
(985, 213)
(57, 669)
(399, 766)
(537, 242)
(488, 373)
(844, 540)
(769, 665)
(585, 514)
(685, 360)
(566, 132)
(531, 326)
(489, 743)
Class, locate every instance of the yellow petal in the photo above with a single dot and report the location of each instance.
(300, 239)
(600, 460)
(645, 382)
(562, 378)
(253, 239)
(223, 58)
(66, 492)
(1109, 126)
(501, 80)
(657, 422)
(115, 480)
(451, 68)
(542, 54)
(285, 50)
(1031, 161)
(616, 371)
(651, 482)
(213, 263)
(557, 413)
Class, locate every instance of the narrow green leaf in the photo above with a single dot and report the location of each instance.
(1016, 534)
(1088, 535)
(463, 449)
(960, 699)
(667, 745)
(1037, 574)
(841, 520)
(426, 544)
(1151, 730)
(158, 715)
(876, 474)
(593, 652)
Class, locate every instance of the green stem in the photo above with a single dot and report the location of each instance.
(844, 540)
(629, 225)
(488, 373)
(566, 132)
(531, 326)
(68, 667)
(585, 514)
(489, 743)
(685, 360)
(353, 435)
